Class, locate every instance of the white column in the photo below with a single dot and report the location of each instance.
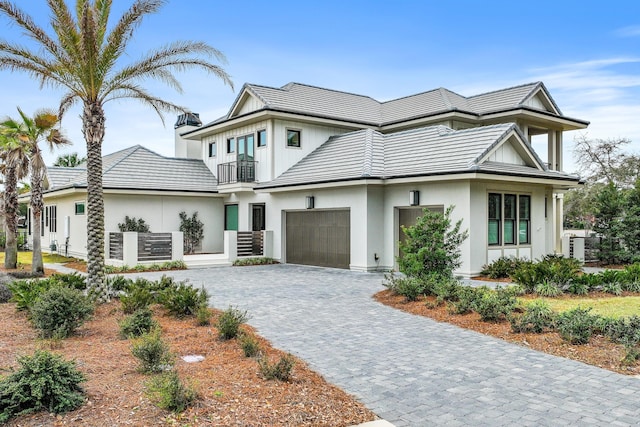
(551, 150)
(559, 150)
(130, 248)
(177, 246)
(267, 243)
(231, 245)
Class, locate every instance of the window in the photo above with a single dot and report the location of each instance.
(509, 219)
(212, 149)
(293, 138)
(262, 138)
(79, 208)
(53, 219)
(231, 145)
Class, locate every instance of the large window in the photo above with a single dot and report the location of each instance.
(509, 219)
(293, 138)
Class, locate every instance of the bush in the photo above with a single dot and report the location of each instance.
(73, 280)
(136, 298)
(409, 287)
(527, 276)
(614, 288)
(44, 381)
(501, 268)
(139, 323)
(625, 330)
(26, 292)
(493, 306)
(250, 345)
(133, 224)
(548, 289)
(242, 262)
(537, 318)
(59, 311)
(446, 289)
(281, 370)
(203, 316)
(183, 300)
(152, 352)
(168, 392)
(576, 326)
(229, 322)
(466, 299)
(578, 287)
(5, 293)
(117, 284)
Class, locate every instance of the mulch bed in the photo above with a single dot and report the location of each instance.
(598, 352)
(232, 391)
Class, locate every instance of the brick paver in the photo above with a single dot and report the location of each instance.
(411, 370)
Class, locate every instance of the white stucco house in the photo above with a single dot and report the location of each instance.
(333, 175)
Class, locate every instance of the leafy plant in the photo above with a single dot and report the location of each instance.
(501, 268)
(152, 352)
(241, 262)
(229, 322)
(548, 289)
(203, 316)
(134, 224)
(578, 287)
(614, 288)
(183, 300)
(136, 298)
(409, 287)
(250, 345)
(527, 276)
(281, 370)
(192, 230)
(576, 326)
(446, 289)
(493, 306)
(117, 283)
(137, 324)
(633, 286)
(44, 381)
(59, 311)
(72, 280)
(25, 292)
(537, 318)
(169, 392)
(467, 298)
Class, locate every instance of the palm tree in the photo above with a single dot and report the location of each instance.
(69, 160)
(85, 58)
(32, 131)
(15, 165)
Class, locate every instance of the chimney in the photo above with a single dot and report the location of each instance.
(187, 148)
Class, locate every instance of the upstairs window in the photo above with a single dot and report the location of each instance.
(212, 149)
(262, 138)
(231, 145)
(79, 208)
(293, 138)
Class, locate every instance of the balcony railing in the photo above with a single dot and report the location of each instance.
(240, 171)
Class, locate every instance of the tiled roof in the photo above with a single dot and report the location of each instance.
(139, 168)
(425, 151)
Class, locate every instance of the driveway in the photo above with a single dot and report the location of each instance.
(411, 370)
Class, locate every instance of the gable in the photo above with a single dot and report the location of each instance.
(246, 103)
(506, 153)
(512, 151)
(541, 100)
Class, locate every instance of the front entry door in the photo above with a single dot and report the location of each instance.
(258, 218)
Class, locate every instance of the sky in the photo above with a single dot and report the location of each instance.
(586, 53)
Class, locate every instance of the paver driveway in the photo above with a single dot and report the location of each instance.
(408, 369)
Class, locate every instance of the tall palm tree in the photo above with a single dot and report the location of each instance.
(85, 57)
(15, 165)
(32, 131)
(69, 160)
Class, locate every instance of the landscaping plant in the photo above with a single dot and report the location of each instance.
(538, 317)
(169, 392)
(152, 352)
(493, 306)
(249, 344)
(576, 326)
(182, 299)
(137, 324)
(58, 312)
(134, 224)
(229, 322)
(280, 370)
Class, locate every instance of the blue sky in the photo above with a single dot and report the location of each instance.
(588, 57)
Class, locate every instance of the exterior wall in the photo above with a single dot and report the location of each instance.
(506, 153)
(76, 230)
(250, 104)
(185, 148)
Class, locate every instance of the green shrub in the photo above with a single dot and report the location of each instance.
(152, 352)
(493, 306)
(409, 287)
(548, 289)
(134, 224)
(614, 288)
(281, 370)
(44, 381)
(466, 299)
(25, 292)
(537, 318)
(168, 392)
(183, 300)
(501, 268)
(5, 293)
(527, 276)
(58, 312)
(138, 323)
(576, 326)
(446, 289)
(625, 330)
(578, 287)
(612, 276)
(203, 316)
(241, 262)
(136, 298)
(250, 345)
(632, 272)
(117, 283)
(73, 280)
(633, 286)
(229, 322)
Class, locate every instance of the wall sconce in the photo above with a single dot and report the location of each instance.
(414, 197)
(309, 202)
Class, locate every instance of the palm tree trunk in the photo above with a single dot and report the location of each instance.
(93, 120)
(10, 217)
(37, 266)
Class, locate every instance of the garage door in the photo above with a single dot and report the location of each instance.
(319, 238)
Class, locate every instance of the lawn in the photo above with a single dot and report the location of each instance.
(26, 257)
(612, 306)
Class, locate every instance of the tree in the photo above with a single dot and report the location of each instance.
(15, 165)
(630, 223)
(87, 59)
(133, 224)
(609, 211)
(69, 160)
(432, 245)
(33, 131)
(603, 160)
(192, 231)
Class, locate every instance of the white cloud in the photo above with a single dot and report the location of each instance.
(631, 31)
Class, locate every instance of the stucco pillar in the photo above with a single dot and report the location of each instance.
(177, 246)
(552, 150)
(130, 248)
(267, 243)
(559, 150)
(231, 245)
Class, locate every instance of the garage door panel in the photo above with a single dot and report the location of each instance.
(319, 238)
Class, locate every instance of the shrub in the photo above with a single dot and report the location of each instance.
(466, 299)
(73, 280)
(250, 345)
(241, 262)
(537, 318)
(632, 272)
(625, 330)
(501, 268)
(44, 381)
(614, 288)
(59, 311)
(631, 286)
(138, 323)
(133, 224)
(229, 322)
(183, 300)
(576, 326)
(135, 298)
(446, 289)
(493, 306)
(117, 283)
(527, 276)
(548, 289)
(192, 229)
(152, 352)
(5, 293)
(281, 370)
(409, 287)
(578, 287)
(168, 392)
(203, 316)
(25, 292)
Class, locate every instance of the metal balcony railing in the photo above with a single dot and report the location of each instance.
(240, 171)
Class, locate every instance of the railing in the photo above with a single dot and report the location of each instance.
(116, 249)
(240, 171)
(250, 243)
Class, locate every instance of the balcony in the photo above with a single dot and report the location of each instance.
(240, 171)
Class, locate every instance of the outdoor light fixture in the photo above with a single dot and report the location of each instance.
(414, 197)
(309, 203)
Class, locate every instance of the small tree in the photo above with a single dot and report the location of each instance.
(432, 245)
(630, 224)
(134, 224)
(609, 210)
(192, 230)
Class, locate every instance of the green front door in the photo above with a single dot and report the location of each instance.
(231, 217)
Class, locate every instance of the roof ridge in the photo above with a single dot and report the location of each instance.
(445, 99)
(367, 165)
(504, 89)
(410, 96)
(132, 149)
(291, 84)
